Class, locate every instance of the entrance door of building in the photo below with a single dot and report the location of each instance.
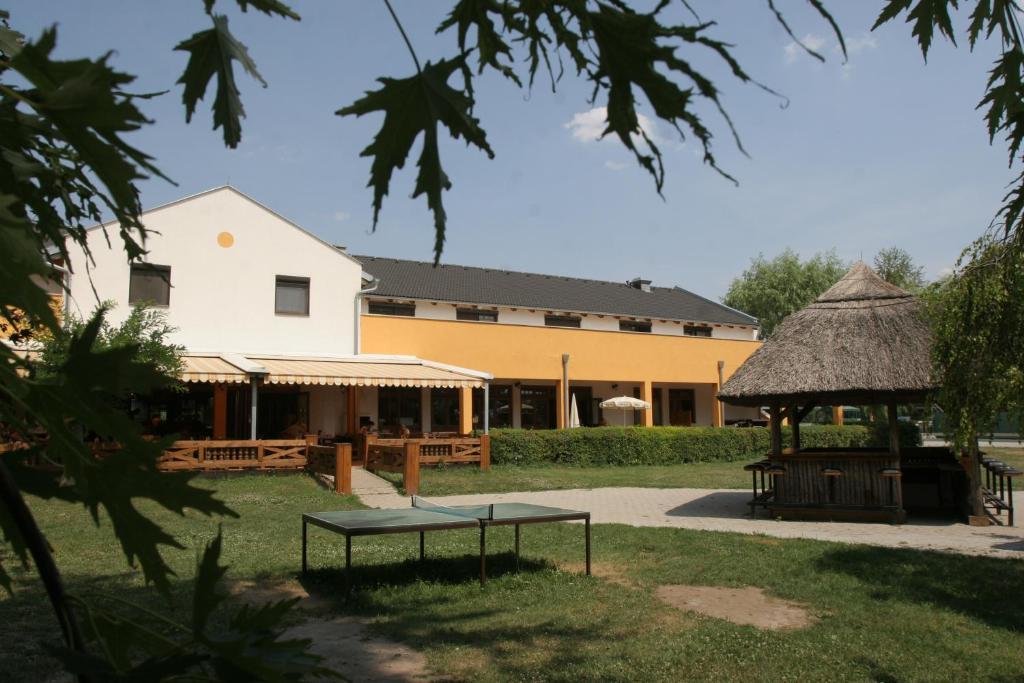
(681, 407)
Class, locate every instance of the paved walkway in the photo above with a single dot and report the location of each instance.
(374, 491)
(983, 444)
(726, 510)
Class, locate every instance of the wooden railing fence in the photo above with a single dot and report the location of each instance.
(283, 454)
(403, 456)
(335, 461)
(407, 456)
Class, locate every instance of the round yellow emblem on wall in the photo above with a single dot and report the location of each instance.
(225, 239)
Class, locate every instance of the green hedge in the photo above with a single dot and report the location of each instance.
(671, 445)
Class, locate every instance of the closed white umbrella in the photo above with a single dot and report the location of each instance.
(625, 403)
(574, 414)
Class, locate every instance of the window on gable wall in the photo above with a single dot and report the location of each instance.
(149, 284)
(291, 296)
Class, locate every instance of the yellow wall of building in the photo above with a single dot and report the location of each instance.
(526, 352)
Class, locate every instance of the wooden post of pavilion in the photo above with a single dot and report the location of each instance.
(775, 420)
(894, 449)
(894, 430)
(794, 420)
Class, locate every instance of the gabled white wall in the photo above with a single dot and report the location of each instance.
(222, 298)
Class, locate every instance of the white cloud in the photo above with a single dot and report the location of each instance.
(342, 216)
(614, 165)
(856, 45)
(793, 50)
(587, 126)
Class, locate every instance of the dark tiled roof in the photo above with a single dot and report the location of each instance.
(463, 284)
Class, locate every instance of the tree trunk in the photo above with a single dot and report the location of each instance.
(975, 496)
(11, 498)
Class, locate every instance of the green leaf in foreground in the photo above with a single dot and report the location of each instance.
(925, 16)
(210, 54)
(268, 7)
(489, 44)
(130, 642)
(414, 106)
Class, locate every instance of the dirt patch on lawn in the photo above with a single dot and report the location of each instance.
(746, 606)
(610, 572)
(261, 592)
(348, 648)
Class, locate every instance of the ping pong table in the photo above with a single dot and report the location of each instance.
(424, 516)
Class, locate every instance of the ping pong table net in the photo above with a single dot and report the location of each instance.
(471, 512)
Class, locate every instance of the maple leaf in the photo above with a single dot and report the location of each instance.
(926, 16)
(489, 44)
(414, 106)
(211, 53)
(268, 7)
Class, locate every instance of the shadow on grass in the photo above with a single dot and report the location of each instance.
(876, 673)
(982, 588)
(454, 613)
(29, 619)
(464, 569)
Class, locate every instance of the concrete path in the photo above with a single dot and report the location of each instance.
(374, 491)
(1001, 443)
(725, 510)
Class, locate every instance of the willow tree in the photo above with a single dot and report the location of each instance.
(978, 312)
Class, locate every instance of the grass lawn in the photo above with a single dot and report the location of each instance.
(456, 480)
(881, 614)
(1011, 456)
(460, 480)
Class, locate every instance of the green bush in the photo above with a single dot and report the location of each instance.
(671, 445)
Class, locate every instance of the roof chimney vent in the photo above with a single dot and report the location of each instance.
(640, 283)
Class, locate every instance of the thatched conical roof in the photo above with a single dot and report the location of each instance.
(863, 340)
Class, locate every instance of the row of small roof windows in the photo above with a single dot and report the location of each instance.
(550, 320)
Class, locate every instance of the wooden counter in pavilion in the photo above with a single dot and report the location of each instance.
(863, 484)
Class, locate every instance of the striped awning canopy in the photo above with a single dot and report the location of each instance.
(390, 372)
(362, 373)
(211, 369)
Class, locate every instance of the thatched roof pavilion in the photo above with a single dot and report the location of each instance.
(863, 341)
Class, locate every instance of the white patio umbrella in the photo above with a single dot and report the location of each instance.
(625, 403)
(574, 414)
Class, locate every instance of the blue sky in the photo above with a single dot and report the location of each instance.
(881, 151)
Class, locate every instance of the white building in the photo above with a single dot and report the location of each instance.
(264, 308)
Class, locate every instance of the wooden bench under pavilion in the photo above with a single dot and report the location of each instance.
(862, 342)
